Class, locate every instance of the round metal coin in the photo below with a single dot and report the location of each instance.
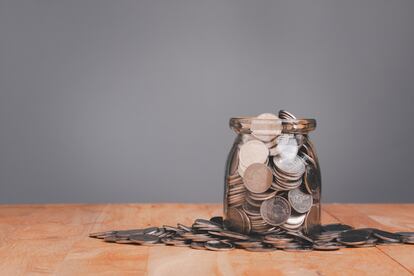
(300, 201)
(252, 152)
(258, 178)
(275, 211)
(218, 245)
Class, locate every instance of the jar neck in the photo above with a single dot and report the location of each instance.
(243, 125)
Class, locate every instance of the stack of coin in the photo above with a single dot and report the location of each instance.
(272, 178)
(236, 190)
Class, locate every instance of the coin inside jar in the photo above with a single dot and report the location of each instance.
(237, 220)
(275, 211)
(251, 152)
(258, 178)
(300, 201)
(266, 127)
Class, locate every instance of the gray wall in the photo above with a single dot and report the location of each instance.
(129, 101)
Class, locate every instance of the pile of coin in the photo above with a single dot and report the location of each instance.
(272, 179)
(212, 235)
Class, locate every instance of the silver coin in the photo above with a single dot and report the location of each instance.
(266, 127)
(197, 245)
(101, 235)
(294, 166)
(300, 201)
(275, 211)
(287, 146)
(144, 238)
(253, 151)
(284, 114)
(219, 246)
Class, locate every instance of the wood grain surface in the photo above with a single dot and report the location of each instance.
(53, 239)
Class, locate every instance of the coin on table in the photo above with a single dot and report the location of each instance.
(387, 236)
(252, 152)
(336, 227)
(326, 246)
(144, 238)
(266, 127)
(197, 245)
(258, 178)
(354, 237)
(218, 245)
(275, 211)
(229, 234)
(300, 201)
(101, 235)
(260, 249)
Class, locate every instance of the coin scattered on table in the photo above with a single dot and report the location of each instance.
(211, 234)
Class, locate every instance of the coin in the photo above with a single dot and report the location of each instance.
(144, 238)
(217, 219)
(336, 227)
(405, 234)
(300, 201)
(294, 222)
(237, 220)
(258, 178)
(294, 166)
(101, 234)
(266, 127)
(354, 237)
(111, 238)
(229, 234)
(275, 211)
(260, 249)
(218, 245)
(183, 227)
(284, 114)
(326, 246)
(252, 152)
(197, 245)
(387, 236)
(287, 146)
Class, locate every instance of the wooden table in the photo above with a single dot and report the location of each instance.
(53, 239)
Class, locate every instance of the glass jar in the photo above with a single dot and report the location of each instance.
(272, 178)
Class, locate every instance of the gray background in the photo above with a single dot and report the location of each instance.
(129, 101)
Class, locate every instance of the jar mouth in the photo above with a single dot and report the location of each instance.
(246, 124)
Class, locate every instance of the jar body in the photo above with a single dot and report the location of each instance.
(272, 178)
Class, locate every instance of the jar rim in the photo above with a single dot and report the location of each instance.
(242, 124)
